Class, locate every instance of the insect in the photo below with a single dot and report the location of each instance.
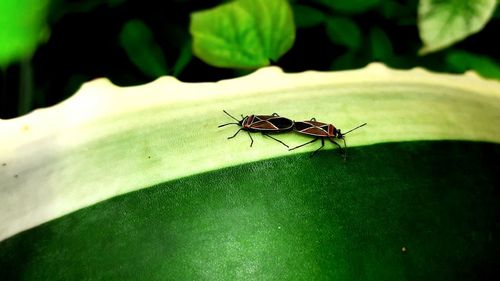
(321, 131)
(262, 123)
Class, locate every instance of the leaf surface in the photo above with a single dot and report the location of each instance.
(106, 140)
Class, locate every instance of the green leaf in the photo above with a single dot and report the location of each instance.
(442, 23)
(414, 209)
(463, 61)
(306, 16)
(350, 6)
(138, 41)
(349, 60)
(106, 140)
(381, 46)
(243, 33)
(344, 31)
(22, 27)
(183, 60)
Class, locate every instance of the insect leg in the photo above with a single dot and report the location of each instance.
(235, 134)
(304, 144)
(275, 139)
(251, 143)
(340, 147)
(322, 144)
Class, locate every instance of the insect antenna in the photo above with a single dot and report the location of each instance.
(354, 129)
(343, 139)
(227, 124)
(231, 116)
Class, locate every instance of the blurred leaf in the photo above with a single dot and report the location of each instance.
(344, 31)
(243, 33)
(401, 13)
(61, 8)
(184, 58)
(22, 27)
(381, 45)
(114, 3)
(350, 59)
(350, 6)
(462, 61)
(137, 40)
(442, 23)
(306, 16)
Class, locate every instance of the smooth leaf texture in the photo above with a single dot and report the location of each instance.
(442, 23)
(106, 141)
(243, 33)
(22, 27)
(138, 41)
(400, 211)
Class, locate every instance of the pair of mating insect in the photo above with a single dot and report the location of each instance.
(274, 123)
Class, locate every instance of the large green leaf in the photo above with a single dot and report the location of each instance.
(398, 211)
(442, 23)
(108, 140)
(22, 27)
(243, 33)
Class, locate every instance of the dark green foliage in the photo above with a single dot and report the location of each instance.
(137, 40)
(292, 218)
(85, 39)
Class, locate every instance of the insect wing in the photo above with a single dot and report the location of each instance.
(282, 123)
(312, 128)
(271, 123)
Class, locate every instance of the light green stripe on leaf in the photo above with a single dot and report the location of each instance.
(107, 140)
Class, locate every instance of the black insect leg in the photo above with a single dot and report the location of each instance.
(304, 144)
(322, 144)
(234, 134)
(275, 139)
(251, 143)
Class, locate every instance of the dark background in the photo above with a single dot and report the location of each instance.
(84, 44)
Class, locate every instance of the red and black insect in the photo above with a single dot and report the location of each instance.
(264, 124)
(321, 131)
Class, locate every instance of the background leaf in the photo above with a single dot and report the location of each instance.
(344, 31)
(243, 33)
(381, 45)
(462, 61)
(138, 41)
(22, 27)
(306, 16)
(350, 6)
(442, 23)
